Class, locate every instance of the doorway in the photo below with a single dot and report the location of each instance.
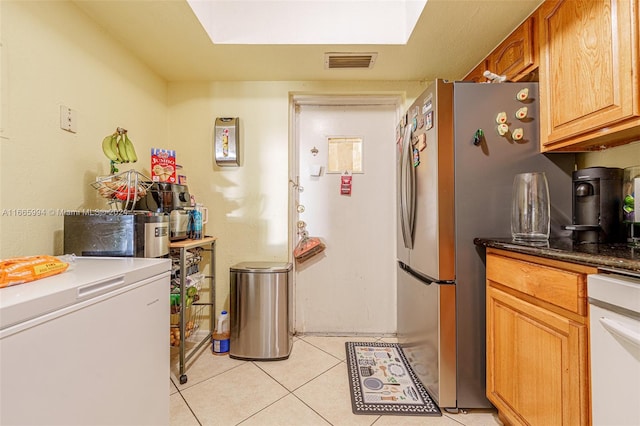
(349, 288)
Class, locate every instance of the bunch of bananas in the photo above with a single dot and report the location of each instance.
(119, 148)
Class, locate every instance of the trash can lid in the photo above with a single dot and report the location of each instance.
(262, 267)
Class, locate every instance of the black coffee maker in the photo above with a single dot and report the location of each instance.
(597, 205)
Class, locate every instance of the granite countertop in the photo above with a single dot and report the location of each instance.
(607, 257)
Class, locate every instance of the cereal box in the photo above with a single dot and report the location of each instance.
(163, 165)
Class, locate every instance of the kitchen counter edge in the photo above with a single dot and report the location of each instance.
(619, 258)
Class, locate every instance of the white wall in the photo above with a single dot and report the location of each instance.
(53, 55)
(622, 156)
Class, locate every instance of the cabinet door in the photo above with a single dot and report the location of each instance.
(589, 92)
(536, 363)
(517, 55)
(477, 74)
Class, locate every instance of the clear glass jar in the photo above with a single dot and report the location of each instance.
(530, 210)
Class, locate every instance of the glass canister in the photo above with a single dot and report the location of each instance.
(631, 203)
(530, 209)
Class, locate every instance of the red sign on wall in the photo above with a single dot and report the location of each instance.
(345, 185)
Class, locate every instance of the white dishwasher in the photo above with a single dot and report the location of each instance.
(614, 301)
(87, 347)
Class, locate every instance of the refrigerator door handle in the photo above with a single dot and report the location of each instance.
(424, 278)
(407, 191)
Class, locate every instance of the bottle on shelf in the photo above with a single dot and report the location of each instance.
(196, 222)
(221, 335)
(190, 222)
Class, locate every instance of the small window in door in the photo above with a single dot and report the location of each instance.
(345, 155)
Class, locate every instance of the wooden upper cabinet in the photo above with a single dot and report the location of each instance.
(476, 75)
(589, 74)
(517, 55)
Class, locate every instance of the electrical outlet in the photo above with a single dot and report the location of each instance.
(68, 119)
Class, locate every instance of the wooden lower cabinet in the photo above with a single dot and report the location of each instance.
(537, 350)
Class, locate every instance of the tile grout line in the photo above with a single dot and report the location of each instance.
(305, 383)
(195, 358)
(449, 417)
(319, 348)
(207, 379)
(292, 392)
(179, 390)
(311, 408)
(342, 361)
(190, 409)
(263, 408)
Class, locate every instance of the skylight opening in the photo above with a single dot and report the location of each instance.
(308, 21)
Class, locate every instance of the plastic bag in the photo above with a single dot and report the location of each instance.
(19, 270)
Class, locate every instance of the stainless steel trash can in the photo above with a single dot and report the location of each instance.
(260, 310)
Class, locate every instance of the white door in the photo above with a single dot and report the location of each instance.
(350, 288)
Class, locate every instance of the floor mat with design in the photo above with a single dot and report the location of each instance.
(382, 381)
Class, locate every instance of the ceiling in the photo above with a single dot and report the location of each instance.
(450, 38)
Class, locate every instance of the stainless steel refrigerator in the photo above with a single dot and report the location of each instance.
(455, 177)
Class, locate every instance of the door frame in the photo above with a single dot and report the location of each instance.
(297, 99)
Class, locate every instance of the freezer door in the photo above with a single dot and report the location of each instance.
(426, 333)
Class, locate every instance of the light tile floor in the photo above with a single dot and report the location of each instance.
(309, 388)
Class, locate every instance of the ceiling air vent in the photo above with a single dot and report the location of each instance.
(349, 60)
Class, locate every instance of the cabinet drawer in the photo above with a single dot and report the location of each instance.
(564, 289)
